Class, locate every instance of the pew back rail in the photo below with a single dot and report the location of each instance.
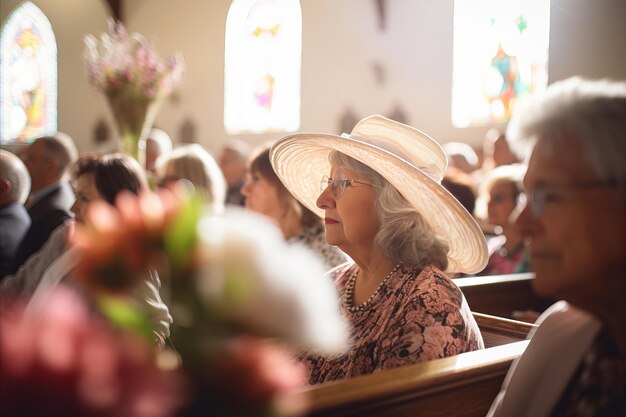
(501, 295)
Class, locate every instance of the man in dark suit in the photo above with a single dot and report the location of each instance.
(48, 160)
(232, 162)
(14, 219)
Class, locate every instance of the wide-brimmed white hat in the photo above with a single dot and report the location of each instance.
(409, 159)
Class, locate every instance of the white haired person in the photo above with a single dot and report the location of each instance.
(384, 206)
(575, 225)
(196, 165)
(14, 218)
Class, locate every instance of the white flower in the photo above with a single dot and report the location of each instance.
(251, 277)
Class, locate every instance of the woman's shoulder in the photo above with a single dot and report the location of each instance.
(564, 320)
(433, 288)
(432, 277)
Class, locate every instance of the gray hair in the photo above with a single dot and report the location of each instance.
(195, 164)
(404, 235)
(12, 169)
(587, 112)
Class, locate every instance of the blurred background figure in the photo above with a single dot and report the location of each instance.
(194, 164)
(266, 194)
(14, 218)
(157, 143)
(501, 194)
(95, 178)
(47, 160)
(232, 161)
(496, 151)
(461, 156)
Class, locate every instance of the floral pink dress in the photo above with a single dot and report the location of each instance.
(416, 316)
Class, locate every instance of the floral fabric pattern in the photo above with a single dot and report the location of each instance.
(417, 316)
(314, 239)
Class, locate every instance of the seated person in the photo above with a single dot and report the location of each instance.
(496, 152)
(265, 194)
(575, 363)
(48, 160)
(14, 218)
(232, 162)
(501, 190)
(194, 164)
(384, 206)
(157, 143)
(94, 177)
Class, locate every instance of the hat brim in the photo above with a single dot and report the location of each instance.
(300, 161)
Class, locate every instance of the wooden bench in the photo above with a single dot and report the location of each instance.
(500, 295)
(462, 385)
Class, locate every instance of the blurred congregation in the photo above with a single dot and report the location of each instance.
(188, 228)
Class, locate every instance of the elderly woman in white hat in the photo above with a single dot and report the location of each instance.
(383, 205)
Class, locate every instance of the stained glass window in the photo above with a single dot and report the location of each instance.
(28, 79)
(262, 66)
(500, 57)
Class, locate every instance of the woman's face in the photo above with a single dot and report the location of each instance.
(262, 196)
(351, 218)
(86, 192)
(501, 203)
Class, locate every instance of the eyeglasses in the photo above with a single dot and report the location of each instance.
(339, 184)
(546, 193)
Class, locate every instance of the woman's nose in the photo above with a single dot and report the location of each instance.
(246, 188)
(76, 210)
(326, 199)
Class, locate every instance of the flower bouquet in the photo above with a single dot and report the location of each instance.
(243, 301)
(133, 77)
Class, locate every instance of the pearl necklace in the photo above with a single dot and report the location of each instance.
(348, 295)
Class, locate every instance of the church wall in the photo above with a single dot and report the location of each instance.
(347, 61)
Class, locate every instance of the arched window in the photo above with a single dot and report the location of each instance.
(500, 56)
(262, 66)
(28, 79)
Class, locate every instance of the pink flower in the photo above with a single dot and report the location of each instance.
(131, 63)
(71, 363)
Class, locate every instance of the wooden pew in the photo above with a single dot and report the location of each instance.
(498, 331)
(500, 295)
(462, 385)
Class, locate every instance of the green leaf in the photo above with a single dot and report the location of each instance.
(124, 314)
(181, 236)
